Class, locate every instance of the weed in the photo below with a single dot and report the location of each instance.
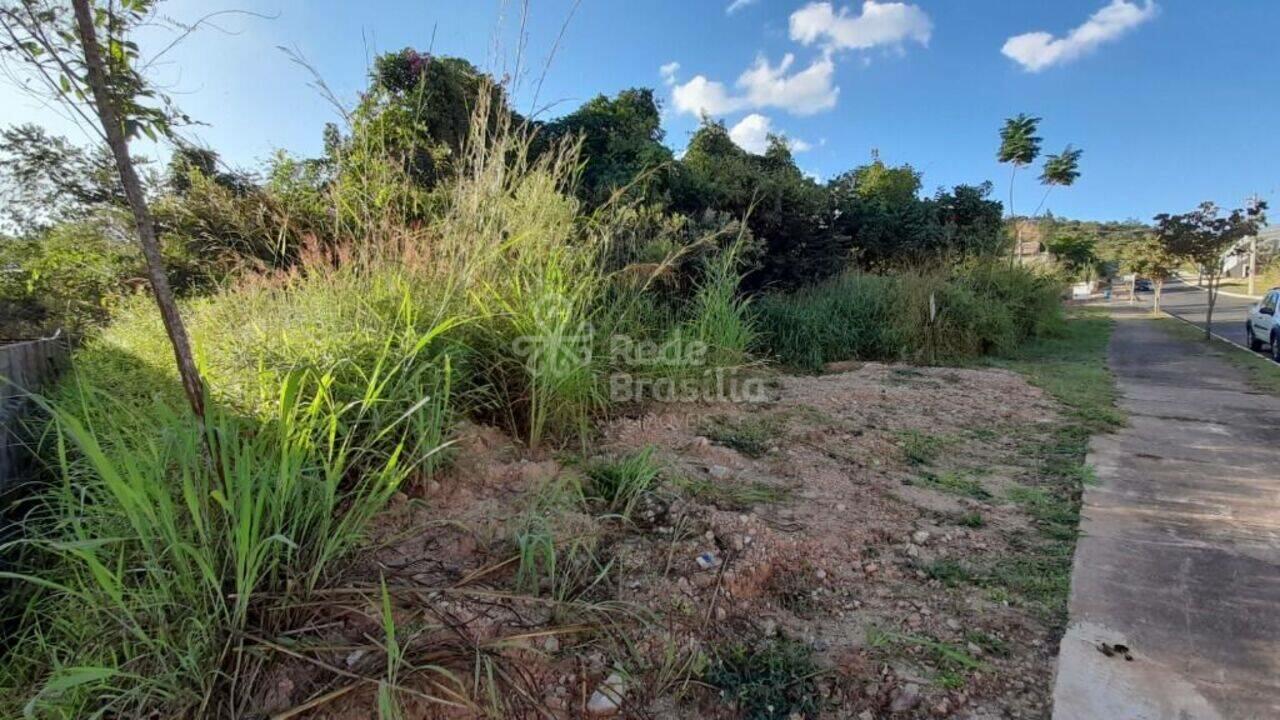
(949, 572)
(771, 678)
(955, 482)
(972, 519)
(952, 664)
(620, 482)
(920, 448)
(751, 436)
(733, 494)
(988, 642)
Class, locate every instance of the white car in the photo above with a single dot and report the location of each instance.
(1263, 327)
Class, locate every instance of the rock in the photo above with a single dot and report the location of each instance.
(840, 507)
(718, 472)
(770, 628)
(607, 699)
(871, 568)
(913, 550)
(920, 537)
(353, 657)
(822, 574)
(953, 624)
(551, 644)
(905, 699)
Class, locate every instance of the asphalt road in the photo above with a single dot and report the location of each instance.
(1191, 303)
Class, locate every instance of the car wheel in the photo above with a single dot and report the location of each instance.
(1275, 346)
(1254, 343)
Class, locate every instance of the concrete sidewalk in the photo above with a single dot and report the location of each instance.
(1179, 557)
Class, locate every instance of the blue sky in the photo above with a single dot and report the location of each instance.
(1173, 101)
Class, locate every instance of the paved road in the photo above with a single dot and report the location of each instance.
(1190, 303)
(1179, 557)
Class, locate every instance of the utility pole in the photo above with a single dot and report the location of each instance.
(1253, 254)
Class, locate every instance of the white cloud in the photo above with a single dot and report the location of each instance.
(881, 23)
(806, 92)
(763, 85)
(1036, 51)
(752, 132)
(701, 96)
(668, 72)
(737, 5)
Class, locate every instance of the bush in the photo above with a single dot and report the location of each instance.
(926, 317)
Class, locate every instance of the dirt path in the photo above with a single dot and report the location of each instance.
(1179, 561)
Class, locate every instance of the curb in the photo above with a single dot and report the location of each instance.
(1242, 296)
(1215, 335)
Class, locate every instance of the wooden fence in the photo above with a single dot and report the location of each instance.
(25, 367)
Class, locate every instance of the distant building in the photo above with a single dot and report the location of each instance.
(1236, 261)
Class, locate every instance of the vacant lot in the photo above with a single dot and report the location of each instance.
(884, 539)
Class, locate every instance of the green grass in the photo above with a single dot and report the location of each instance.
(1071, 366)
(1262, 373)
(751, 436)
(769, 679)
(733, 494)
(921, 448)
(933, 318)
(952, 665)
(619, 482)
(954, 482)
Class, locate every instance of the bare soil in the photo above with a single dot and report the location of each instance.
(860, 516)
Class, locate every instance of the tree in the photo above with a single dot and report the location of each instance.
(621, 140)
(1146, 256)
(1059, 170)
(1076, 255)
(1019, 146)
(64, 52)
(1205, 237)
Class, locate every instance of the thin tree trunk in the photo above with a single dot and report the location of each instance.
(1155, 304)
(114, 130)
(1213, 299)
(1017, 231)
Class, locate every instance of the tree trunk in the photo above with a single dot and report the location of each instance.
(1214, 280)
(1155, 302)
(114, 130)
(1017, 231)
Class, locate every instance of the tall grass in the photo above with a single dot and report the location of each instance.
(145, 563)
(933, 317)
(144, 560)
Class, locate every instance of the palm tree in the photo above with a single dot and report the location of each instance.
(1019, 146)
(1062, 169)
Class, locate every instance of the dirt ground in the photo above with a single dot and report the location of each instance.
(865, 544)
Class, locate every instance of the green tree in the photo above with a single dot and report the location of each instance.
(1146, 256)
(100, 77)
(621, 143)
(1205, 236)
(1061, 170)
(877, 182)
(1019, 146)
(1076, 254)
(787, 212)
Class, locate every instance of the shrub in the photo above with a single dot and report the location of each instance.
(927, 317)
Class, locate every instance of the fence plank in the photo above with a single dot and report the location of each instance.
(25, 367)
